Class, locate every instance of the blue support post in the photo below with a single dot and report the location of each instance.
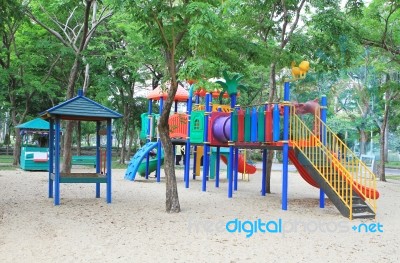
(206, 154)
(276, 123)
(51, 156)
(57, 164)
(285, 153)
(98, 154)
(159, 146)
(197, 101)
(264, 172)
(187, 153)
(253, 132)
(323, 136)
(149, 122)
(231, 151)
(108, 161)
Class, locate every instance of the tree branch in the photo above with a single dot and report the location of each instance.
(294, 25)
(50, 30)
(93, 29)
(51, 69)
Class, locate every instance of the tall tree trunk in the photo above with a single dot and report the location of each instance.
(17, 147)
(67, 149)
(385, 145)
(172, 199)
(382, 141)
(272, 84)
(79, 138)
(363, 141)
(131, 138)
(124, 133)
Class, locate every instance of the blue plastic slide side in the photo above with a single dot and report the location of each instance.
(133, 165)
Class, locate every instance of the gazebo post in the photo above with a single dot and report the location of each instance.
(108, 159)
(57, 163)
(98, 163)
(51, 157)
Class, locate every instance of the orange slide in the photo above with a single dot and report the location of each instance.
(363, 190)
(243, 166)
(301, 169)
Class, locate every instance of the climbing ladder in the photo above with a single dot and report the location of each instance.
(348, 182)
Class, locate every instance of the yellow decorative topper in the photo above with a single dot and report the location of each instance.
(300, 71)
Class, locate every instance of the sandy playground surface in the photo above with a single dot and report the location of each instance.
(136, 228)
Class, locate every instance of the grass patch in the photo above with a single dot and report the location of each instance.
(393, 177)
(6, 159)
(394, 165)
(7, 168)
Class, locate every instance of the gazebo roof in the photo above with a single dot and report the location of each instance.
(157, 93)
(80, 108)
(35, 124)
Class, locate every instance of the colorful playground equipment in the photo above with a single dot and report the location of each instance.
(218, 132)
(34, 157)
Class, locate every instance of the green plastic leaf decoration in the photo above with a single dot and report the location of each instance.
(231, 85)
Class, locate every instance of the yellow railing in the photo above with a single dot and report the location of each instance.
(335, 162)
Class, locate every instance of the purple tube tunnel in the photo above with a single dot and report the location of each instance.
(222, 128)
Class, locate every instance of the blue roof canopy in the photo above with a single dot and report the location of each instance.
(80, 108)
(35, 124)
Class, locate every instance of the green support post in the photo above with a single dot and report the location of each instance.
(235, 125)
(261, 124)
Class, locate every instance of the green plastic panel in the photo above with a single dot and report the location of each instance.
(145, 123)
(235, 125)
(197, 127)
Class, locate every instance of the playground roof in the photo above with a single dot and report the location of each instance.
(80, 108)
(157, 93)
(35, 124)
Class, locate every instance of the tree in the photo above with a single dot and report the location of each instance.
(25, 70)
(379, 29)
(75, 33)
(169, 23)
(272, 25)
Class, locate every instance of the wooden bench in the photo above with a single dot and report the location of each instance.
(84, 160)
(81, 178)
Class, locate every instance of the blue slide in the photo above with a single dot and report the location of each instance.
(136, 160)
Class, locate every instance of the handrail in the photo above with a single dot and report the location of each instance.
(334, 161)
(364, 180)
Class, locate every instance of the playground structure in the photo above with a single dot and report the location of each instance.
(320, 157)
(34, 157)
(80, 108)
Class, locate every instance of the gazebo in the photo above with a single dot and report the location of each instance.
(79, 108)
(34, 157)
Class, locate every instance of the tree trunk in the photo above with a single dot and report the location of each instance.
(131, 138)
(66, 164)
(272, 84)
(172, 200)
(17, 147)
(363, 141)
(382, 142)
(385, 145)
(79, 136)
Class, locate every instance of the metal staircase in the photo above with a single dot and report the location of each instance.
(348, 182)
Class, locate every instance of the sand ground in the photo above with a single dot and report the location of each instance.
(136, 228)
